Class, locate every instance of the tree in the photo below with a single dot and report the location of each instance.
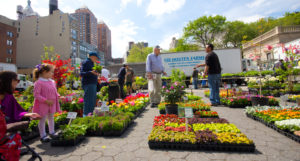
(138, 53)
(182, 45)
(236, 32)
(204, 29)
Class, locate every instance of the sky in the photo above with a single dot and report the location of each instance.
(157, 21)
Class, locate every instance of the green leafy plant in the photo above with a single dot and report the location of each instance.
(173, 93)
(97, 68)
(70, 132)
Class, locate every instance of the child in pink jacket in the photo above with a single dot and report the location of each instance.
(46, 99)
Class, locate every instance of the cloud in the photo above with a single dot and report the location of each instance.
(256, 3)
(121, 35)
(161, 7)
(165, 42)
(249, 19)
(124, 4)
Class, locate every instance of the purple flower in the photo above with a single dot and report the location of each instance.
(286, 59)
(90, 114)
(292, 58)
(182, 86)
(172, 87)
(290, 66)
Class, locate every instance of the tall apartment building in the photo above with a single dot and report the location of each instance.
(59, 30)
(104, 40)
(8, 40)
(87, 25)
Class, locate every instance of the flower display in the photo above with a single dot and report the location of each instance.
(206, 114)
(173, 93)
(291, 124)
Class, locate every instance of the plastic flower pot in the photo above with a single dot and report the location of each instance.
(172, 109)
(262, 101)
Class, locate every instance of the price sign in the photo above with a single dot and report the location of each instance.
(72, 115)
(189, 112)
(185, 112)
(228, 86)
(104, 107)
(118, 100)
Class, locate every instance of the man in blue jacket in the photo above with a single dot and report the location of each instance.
(89, 83)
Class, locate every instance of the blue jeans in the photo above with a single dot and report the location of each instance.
(195, 82)
(214, 84)
(90, 96)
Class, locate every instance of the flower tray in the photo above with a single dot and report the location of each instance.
(73, 142)
(162, 112)
(30, 135)
(238, 106)
(211, 147)
(273, 126)
(198, 116)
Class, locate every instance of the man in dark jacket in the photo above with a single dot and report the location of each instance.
(89, 83)
(121, 79)
(213, 70)
(195, 78)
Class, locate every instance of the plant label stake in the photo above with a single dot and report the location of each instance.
(118, 100)
(185, 98)
(104, 107)
(188, 114)
(71, 116)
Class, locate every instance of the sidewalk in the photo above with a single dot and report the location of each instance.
(133, 144)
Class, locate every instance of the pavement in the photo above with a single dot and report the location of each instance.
(133, 144)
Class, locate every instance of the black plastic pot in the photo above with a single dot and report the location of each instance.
(262, 101)
(172, 109)
(113, 92)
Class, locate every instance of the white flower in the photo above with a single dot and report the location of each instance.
(290, 122)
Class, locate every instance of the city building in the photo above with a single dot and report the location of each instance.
(87, 25)
(104, 40)
(117, 61)
(59, 30)
(8, 40)
(173, 43)
(84, 50)
(277, 36)
(26, 12)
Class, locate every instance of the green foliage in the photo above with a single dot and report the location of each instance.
(204, 29)
(97, 68)
(236, 32)
(183, 45)
(178, 76)
(138, 53)
(173, 93)
(70, 132)
(104, 93)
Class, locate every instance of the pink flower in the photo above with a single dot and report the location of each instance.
(172, 87)
(182, 86)
(164, 87)
(175, 83)
(167, 91)
(269, 47)
(80, 100)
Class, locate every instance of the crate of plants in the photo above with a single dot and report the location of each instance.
(171, 132)
(206, 114)
(109, 124)
(31, 132)
(70, 135)
(285, 120)
(236, 102)
(197, 105)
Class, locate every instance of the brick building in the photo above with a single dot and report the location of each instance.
(8, 40)
(104, 40)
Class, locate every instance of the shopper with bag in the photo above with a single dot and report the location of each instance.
(154, 69)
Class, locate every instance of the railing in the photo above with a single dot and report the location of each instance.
(275, 31)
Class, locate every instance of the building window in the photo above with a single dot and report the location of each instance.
(8, 60)
(36, 34)
(19, 29)
(9, 42)
(10, 34)
(9, 51)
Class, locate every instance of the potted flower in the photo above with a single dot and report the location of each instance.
(172, 94)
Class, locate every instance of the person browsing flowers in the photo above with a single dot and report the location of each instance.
(46, 99)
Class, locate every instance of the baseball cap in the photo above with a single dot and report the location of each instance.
(94, 54)
(157, 47)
